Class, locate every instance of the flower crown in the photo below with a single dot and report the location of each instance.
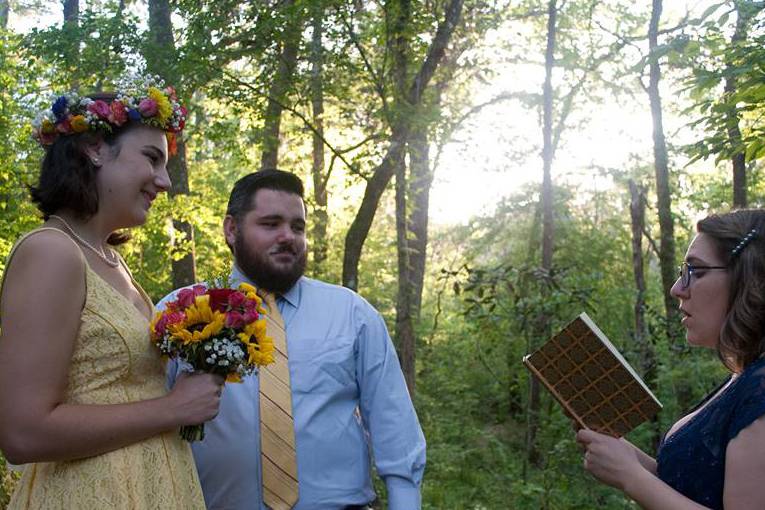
(140, 100)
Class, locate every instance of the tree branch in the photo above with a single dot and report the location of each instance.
(295, 112)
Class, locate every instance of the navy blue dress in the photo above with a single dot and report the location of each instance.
(692, 460)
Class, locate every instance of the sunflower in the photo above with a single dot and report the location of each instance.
(200, 324)
(164, 108)
(262, 352)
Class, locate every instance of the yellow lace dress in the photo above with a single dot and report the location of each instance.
(113, 363)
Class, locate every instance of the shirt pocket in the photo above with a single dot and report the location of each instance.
(320, 366)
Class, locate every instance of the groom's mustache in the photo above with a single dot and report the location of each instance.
(284, 249)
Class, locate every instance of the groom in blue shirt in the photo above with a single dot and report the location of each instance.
(349, 398)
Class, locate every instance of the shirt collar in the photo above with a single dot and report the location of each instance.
(292, 296)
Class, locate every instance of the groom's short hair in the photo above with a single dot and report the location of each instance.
(242, 198)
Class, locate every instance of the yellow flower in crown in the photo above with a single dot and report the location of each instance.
(79, 123)
(201, 323)
(47, 127)
(164, 108)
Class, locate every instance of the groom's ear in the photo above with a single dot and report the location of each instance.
(230, 229)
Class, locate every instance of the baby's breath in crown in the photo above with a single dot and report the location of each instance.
(138, 99)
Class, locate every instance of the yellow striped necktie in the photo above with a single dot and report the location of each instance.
(277, 430)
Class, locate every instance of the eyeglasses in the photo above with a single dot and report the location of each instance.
(687, 270)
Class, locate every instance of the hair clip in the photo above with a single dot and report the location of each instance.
(744, 242)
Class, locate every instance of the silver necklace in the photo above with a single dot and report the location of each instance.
(101, 254)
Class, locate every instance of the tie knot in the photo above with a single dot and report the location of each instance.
(269, 299)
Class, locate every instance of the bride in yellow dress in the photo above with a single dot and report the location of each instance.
(83, 403)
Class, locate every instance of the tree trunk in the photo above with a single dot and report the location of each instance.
(5, 10)
(72, 50)
(278, 92)
(359, 229)
(399, 13)
(661, 165)
(404, 332)
(642, 341)
(71, 11)
(732, 116)
(161, 60)
(420, 181)
(542, 322)
(320, 217)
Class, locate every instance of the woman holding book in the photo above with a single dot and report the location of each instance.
(82, 396)
(714, 457)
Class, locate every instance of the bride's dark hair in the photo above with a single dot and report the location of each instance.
(68, 176)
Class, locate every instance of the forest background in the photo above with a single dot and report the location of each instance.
(480, 170)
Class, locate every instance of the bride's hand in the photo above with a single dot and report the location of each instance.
(195, 397)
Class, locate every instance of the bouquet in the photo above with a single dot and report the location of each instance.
(216, 330)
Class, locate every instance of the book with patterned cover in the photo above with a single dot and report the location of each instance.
(592, 380)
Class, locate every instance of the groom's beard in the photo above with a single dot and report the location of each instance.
(263, 273)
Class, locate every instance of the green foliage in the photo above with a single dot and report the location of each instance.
(726, 82)
(484, 291)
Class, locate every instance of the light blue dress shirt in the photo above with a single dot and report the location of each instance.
(349, 400)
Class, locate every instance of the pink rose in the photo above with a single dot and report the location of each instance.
(186, 297)
(251, 316)
(148, 107)
(118, 114)
(236, 300)
(234, 319)
(100, 108)
(168, 318)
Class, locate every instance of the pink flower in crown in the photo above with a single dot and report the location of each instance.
(100, 108)
(170, 92)
(236, 300)
(186, 297)
(167, 319)
(118, 115)
(234, 319)
(148, 107)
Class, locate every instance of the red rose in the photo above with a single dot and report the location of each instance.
(236, 300)
(234, 319)
(118, 114)
(64, 127)
(219, 298)
(251, 316)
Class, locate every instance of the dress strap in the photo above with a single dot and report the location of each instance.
(27, 236)
(136, 285)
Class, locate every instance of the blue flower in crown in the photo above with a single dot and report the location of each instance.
(59, 108)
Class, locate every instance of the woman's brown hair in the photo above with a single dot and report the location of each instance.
(742, 337)
(68, 176)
